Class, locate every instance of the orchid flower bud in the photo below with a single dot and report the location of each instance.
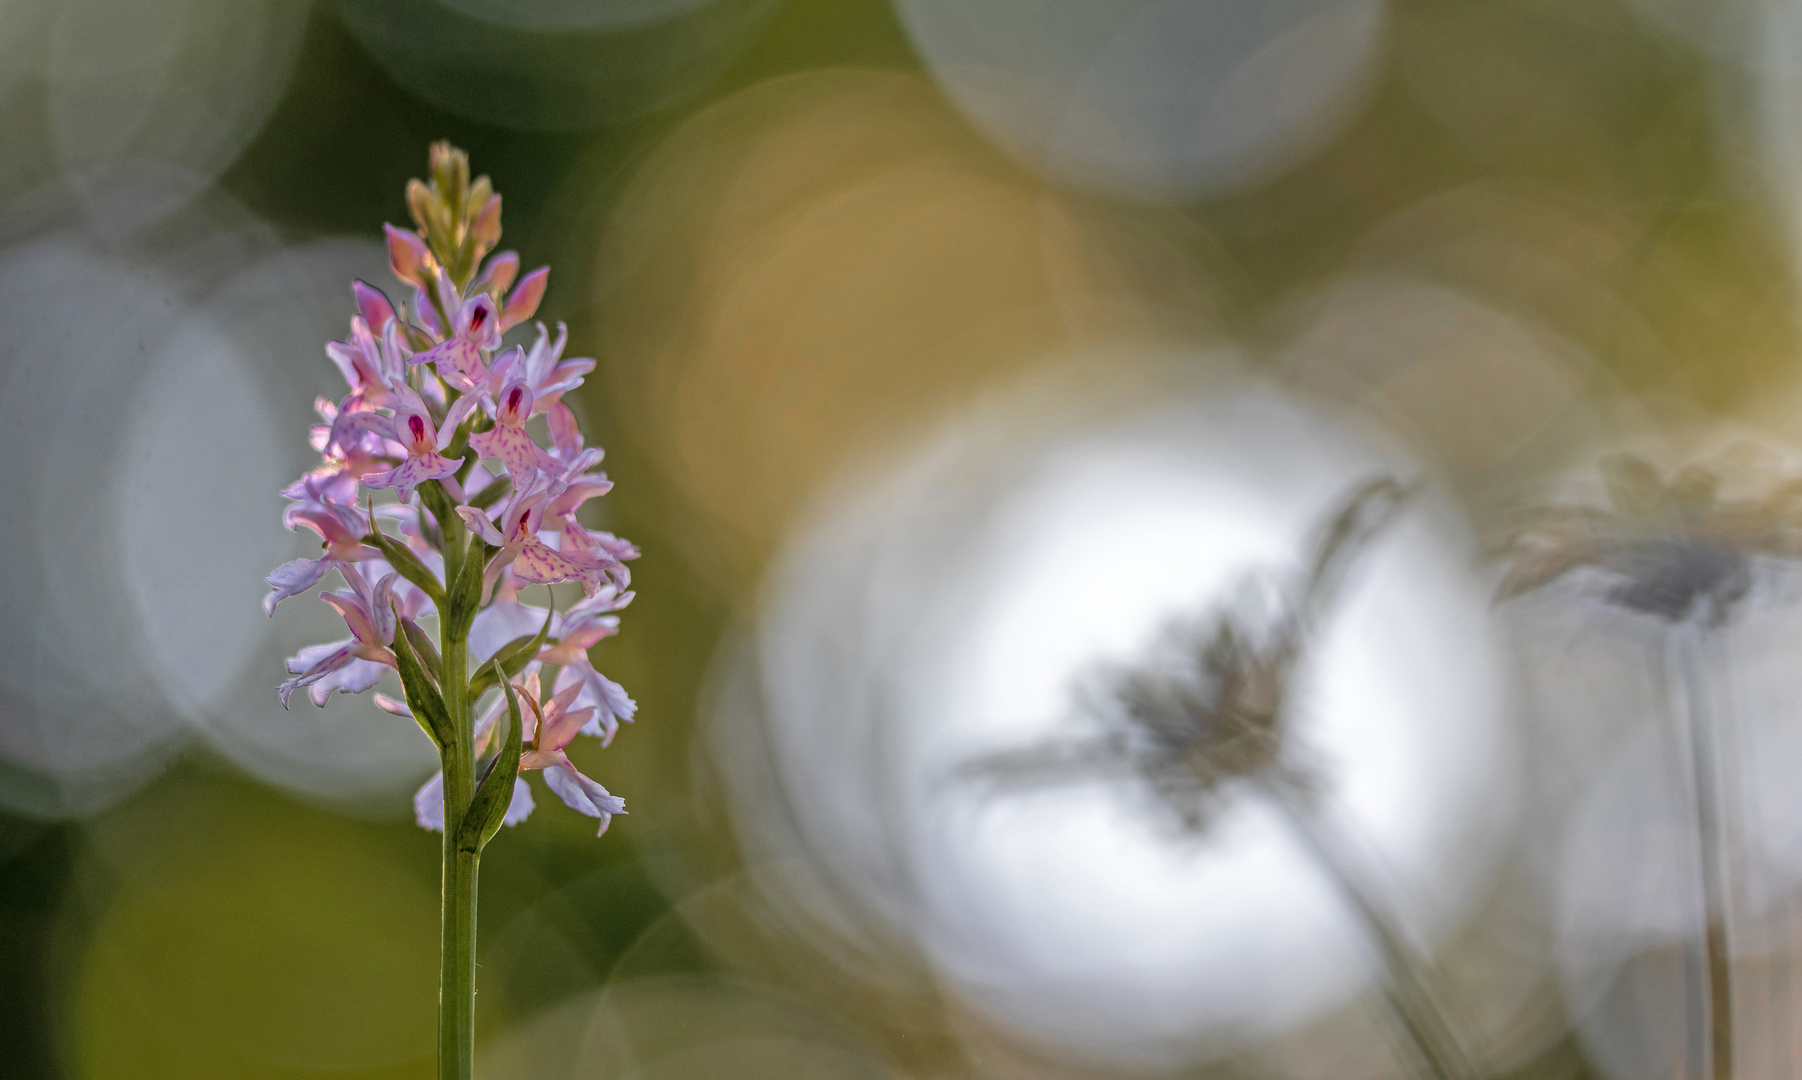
(408, 255)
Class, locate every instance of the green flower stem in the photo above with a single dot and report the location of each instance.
(457, 967)
(1406, 982)
(1688, 662)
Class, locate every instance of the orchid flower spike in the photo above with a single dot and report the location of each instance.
(505, 687)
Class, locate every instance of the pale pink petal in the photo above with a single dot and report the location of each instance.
(498, 275)
(373, 305)
(455, 360)
(521, 805)
(351, 607)
(292, 579)
(480, 525)
(566, 436)
(459, 411)
(542, 564)
(338, 658)
(577, 493)
(505, 365)
(609, 700)
(353, 678)
(414, 471)
(498, 624)
(428, 803)
(428, 316)
(583, 795)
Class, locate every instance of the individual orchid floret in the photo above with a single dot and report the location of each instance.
(605, 544)
(546, 374)
(369, 613)
(369, 364)
(341, 528)
(508, 440)
(530, 557)
(584, 626)
(474, 329)
(553, 726)
(412, 427)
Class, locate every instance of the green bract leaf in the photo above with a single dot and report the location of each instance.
(465, 596)
(444, 513)
(422, 693)
(406, 564)
(422, 646)
(489, 807)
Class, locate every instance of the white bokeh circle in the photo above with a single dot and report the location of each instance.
(946, 609)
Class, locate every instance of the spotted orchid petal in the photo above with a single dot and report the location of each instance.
(515, 449)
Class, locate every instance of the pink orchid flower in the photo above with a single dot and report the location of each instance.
(549, 727)
(412, 427)
(530, 557)
(340, 527)
(370, 364)
(546, 374)
(508, 440)
(557, 724)
(349, 451)
(354, 665)
(584, 625)
(458, 358)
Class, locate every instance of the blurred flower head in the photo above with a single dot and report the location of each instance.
(1673, 549)
(1205, 705)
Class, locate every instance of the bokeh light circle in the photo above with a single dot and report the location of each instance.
(1157, 99)
(995, 567)
(135, 106)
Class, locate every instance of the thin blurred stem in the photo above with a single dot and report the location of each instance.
(1686, 656)
(457, 957)
(1406, 985)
